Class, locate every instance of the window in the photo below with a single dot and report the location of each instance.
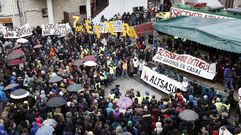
(82, 10)
(44, 12)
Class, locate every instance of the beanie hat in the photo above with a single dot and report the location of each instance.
(129, 123)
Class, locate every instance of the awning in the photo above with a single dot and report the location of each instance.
(222, 34)
(5, 20)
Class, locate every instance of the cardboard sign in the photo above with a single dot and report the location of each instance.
(160, 81)
(186, 63)
(56, 29)
(19, 32)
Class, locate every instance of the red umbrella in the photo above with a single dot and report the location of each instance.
(15, 54)
(18, 51)
(89, 58)
(37, 46)
(15, 62)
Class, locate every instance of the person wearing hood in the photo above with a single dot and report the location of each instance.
(34, 128)
(2, 130)
(3, 97)
(158, 129)
(191, 102)
(109, 108)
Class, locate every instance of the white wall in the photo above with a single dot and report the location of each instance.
(33, 12)
(120, 6)
(237, 3)
(10, 7)
(71, 6)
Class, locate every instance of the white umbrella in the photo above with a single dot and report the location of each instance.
(45, 130)
(90, 64)
(188, 115)
(19, 94)
(50, 122)
(22, 40)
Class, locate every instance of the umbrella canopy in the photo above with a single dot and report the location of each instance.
(56, 102)
(55, 78)
(124, 102)
(78, 62)
(22, 40)
(19, 94)
(12, 56)
(89, 58)
(50, 122)
(11, 86)
(15, 62)
(90, 63)
(45, 130)
(75, 87)
(188, 115)
(18, 51)
(37, 46)
(15, 54)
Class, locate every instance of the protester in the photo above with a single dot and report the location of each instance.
(90, 110)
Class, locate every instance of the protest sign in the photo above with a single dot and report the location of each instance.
(182, 12)
(19, 32)
(111, 27)
(56, 29)
(186, 63)
(160, 81)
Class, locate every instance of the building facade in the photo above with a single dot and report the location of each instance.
(37, 12)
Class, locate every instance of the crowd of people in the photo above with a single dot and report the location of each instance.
(228, 64)
(92, 110)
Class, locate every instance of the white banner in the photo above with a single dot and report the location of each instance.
(56, 29)
(182, 12)
(19, 32)
(160, 81)
(186, 63)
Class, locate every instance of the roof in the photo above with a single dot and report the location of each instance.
(222, 34)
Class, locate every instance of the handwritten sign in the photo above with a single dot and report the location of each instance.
(186, 63)
(182, 12)
(19, 32)
(56, 29)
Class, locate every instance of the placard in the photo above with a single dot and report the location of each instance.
(56, 29)
(19, 32)
(182, 12)
(186, 63)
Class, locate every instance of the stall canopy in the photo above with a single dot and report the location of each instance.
(224, 34)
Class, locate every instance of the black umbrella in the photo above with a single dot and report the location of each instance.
(75, 87)
(55, 78)
(56, 102)
(19, 94)
(10, 86)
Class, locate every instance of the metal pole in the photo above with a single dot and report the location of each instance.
(13, 10)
